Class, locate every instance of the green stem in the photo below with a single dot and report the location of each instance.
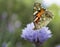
(37, 45)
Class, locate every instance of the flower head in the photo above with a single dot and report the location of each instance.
(40, 35)
(57, 45)
(4, 44)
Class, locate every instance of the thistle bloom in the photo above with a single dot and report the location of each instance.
(40, 35)
(57, 45)
(4, 44)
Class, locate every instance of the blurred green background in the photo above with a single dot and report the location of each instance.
(15, 15)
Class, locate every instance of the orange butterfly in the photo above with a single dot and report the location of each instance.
(38, 15)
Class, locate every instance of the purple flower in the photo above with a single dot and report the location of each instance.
(40, 35)
(57, 45)
(4, 44)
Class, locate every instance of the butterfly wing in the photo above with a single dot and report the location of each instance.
(38, 15)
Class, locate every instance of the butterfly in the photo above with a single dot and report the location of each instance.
(38, 12)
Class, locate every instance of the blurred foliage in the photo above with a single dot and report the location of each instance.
(24, 11)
